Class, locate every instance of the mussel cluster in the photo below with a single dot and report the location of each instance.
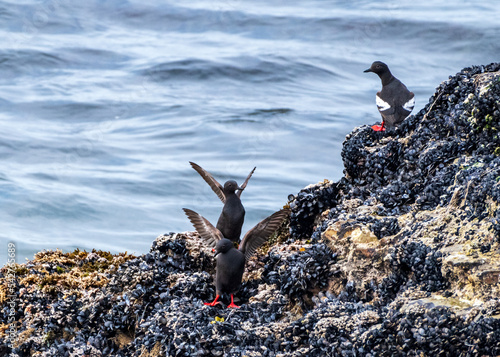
(307, 204)
(300, 274)
(452, 145)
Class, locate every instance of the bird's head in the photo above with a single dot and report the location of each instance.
(378, 68)
(231, 186)
(223, 246)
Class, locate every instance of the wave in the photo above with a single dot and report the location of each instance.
(244, 69)
(27, 62)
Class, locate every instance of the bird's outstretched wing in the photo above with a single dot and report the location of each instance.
(259, 234)
(216, 186)
(245, 183)
(205, 229)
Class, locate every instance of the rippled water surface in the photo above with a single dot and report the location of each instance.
(103, 103)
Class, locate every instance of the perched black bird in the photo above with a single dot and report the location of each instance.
(395, 102)
(231, 261)
(233, 214)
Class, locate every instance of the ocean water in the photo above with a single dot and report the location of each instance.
(103, 103)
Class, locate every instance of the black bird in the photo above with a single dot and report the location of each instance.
(233, 213)
(395, 102)
(231, 261)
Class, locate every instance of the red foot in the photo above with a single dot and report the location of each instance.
(232, 304)
(213, 303)
(378, 127)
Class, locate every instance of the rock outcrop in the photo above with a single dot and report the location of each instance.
(401, 257)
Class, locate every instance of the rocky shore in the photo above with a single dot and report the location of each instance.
(401, 257)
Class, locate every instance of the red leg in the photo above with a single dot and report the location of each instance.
(213, 303)
(232, 305)
(379, 127)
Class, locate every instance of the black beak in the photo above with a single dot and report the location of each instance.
(367, 70)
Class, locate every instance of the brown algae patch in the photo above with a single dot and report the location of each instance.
(54, 272)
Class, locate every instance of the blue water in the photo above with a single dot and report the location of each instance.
(103, 103)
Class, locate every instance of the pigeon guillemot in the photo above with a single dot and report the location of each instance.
(395, 102)
(231, 261)
(233, 214)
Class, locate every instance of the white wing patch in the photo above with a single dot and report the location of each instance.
(409, 104)
(381, 105)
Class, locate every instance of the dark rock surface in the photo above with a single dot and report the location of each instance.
(401, 257)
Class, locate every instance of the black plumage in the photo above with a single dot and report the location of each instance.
(230, 268)
(233, 213)
(231, 261)
(395, 102)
